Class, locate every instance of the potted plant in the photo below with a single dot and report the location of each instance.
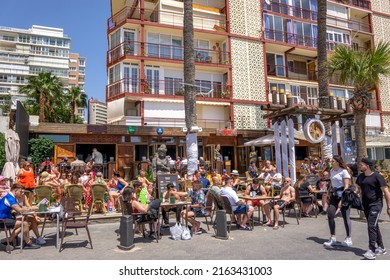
(179, 92)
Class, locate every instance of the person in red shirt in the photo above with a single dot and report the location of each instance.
(26, 178)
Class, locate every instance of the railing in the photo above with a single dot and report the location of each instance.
(168, 87)
(357, 3)
(161, 51)
(291, 10)
(214, 22)
(294, 39)
(351, 24)
(292, 72)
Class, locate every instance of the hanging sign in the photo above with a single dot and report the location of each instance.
(314, 131)
(159, 131)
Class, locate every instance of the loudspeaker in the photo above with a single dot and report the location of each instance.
(126, 233)
(221, 225)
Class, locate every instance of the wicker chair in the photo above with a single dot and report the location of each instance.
(76, 192)
(98, 192)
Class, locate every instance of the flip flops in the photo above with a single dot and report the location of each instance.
(245, 228)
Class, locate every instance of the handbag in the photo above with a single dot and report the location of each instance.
(186, 234)
(351, 199)
(176, 231)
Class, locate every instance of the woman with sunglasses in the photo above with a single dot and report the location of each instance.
(340, 178)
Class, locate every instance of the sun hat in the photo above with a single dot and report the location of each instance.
(234, 172)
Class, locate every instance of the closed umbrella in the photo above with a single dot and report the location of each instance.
(12, 149)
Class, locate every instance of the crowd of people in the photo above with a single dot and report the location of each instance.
(334, 178)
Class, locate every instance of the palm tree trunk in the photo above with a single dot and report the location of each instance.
(360, 133)
(41, 107)
(323, 84)
(73, 108)
(189, 87)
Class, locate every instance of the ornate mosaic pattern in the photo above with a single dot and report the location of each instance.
(245, 17)
(386, 123)
(247, 116)
(248, 70)
(381, 26)
(382, 6)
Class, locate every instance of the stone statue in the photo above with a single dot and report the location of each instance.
(217, 154)
(253, 155)
(162, 163)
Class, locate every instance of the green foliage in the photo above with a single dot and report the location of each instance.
(48, 98)
(2, 150)
(40, 148)
(149, 175)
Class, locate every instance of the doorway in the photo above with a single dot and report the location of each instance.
(107, 150)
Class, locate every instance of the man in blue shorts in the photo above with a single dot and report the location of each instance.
(238, 206)
(9, 203)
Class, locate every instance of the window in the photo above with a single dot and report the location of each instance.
(173, 86)
(339, 93)
(275, 65)
(201, 50)
(273, 28)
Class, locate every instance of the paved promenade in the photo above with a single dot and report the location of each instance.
(294, 241)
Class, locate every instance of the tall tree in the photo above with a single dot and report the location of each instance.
(323, 82)
(363, 70)
(44, 90)
(189, 87)
(77, 99)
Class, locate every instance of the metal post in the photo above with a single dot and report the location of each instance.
(126, 233)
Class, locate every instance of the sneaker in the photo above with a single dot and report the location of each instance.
(347, 242)
(31, 246)
(370, 255)
(40, 241)
(380, 251)
(331, 242)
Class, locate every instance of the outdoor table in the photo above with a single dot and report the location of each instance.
(177, 204)
(255, 198)
(37, 212)
(317, 192)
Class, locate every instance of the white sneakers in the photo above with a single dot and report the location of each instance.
(331, 242)
(380, 251)
(370, 255)
(40, 241)
(347, 242)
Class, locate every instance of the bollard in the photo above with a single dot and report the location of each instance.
(126, 233)
(220, 220)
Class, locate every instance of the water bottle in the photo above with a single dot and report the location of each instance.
(109, 207)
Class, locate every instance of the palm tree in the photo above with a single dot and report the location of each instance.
(189, 82)
(362, 69)
(43, 89)
(323, 81)
(77, 99)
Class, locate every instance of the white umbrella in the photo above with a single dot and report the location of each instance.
(267, 140)
(12, 149)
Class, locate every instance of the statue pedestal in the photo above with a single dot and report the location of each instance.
(219, 166)
(127, 173)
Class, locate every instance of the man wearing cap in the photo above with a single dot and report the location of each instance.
(373, 186)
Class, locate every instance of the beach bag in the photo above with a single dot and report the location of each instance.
(176, 231)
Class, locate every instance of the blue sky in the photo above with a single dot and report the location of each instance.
(84, 21)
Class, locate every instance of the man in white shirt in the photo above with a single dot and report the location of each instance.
(238, 206)
(97, 156)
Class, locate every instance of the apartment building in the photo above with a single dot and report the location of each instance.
(26, 52)
(243, 49)
(77, 66)
(97, 112)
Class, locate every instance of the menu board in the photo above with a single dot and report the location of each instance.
(163, 180)
(312, 179)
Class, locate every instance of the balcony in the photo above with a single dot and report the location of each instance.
(363, 4)
(290, 38)
(168, 88)
(169, 18)
(175, 122)
(350, 24)
(168, 52)
(291, 11)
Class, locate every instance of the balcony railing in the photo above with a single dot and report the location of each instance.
(291, 10)
(364, 4)
(168, 87)
(161, 51)
(351, 24)
(290, 38)
(213, 22)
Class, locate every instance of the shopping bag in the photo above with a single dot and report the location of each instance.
(186, 233)
(176, 231)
